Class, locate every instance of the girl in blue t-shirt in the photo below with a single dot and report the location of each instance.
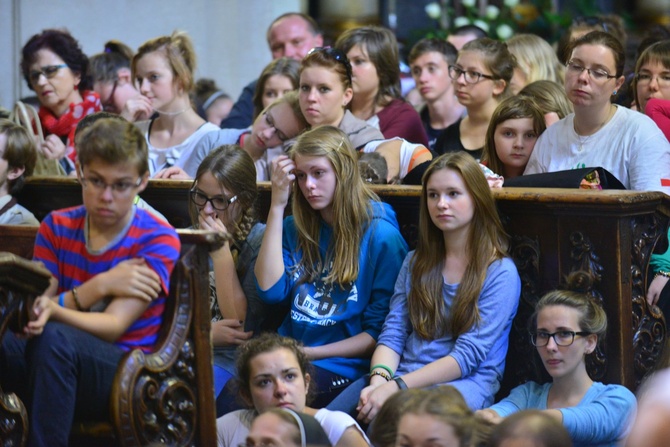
(567, 326)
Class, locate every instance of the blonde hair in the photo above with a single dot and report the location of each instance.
(179, 52)
(535, 58)
(446, 404)
(486, 243)
(549, 96)
(352, 210)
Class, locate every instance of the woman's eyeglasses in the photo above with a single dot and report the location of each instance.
(561, 338)
(337, 55)
(219, 203)
(49, 71)
(592, 21)
(597, 74)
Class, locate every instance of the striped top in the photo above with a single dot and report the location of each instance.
(61, 246)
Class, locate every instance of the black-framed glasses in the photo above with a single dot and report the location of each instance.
(337, 55)
(49, 71)
(561, 338)
(471, 76)
(597, 74)
(120, 188)
(109, 102)
(219, 203)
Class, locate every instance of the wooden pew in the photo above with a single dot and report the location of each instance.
(167, 396)
(611, 234)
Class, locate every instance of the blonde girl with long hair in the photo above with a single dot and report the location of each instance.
(334, 261)
(454, 299)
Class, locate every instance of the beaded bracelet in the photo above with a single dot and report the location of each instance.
(77, 303)
(381, 374)
(384, 367)
(662, 273)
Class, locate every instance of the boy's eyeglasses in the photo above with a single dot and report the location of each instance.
(337, 55)
(219, 203)
(49, 71)
(120, 188)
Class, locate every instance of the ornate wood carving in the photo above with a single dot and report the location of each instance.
(526, 254)
(20, 282)
(648, 322)
(584, 258)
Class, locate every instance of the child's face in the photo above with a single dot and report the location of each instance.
(431, 74)
(416, 430)
(109, 192)
(514, 141)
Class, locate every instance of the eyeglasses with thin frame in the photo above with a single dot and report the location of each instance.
(119, 189)
(561, 338)
(219, 203)
(49, 71)
(597, 74)
(471, 76)
(644, 78)
(337, 55)
(271, 122)
(109, 102)
(592, 21)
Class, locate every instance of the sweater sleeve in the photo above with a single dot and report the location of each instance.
(659, 111)
(400, 119)
(281, 290)
(387, 251)
(397, 325)
(603, 419)
(497, 306)
(524, 397)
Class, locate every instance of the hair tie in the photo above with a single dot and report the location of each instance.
(108, 50)
(213, 97)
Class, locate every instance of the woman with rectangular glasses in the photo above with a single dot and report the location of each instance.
(567, 327)
(599, 133)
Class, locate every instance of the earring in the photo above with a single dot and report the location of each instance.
(614, 93)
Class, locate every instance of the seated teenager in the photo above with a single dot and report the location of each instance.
(18, 156)
(333, 262)
(454, 300)
(274, 372)
(111, 265)
(567, 326)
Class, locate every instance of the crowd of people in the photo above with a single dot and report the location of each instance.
(326, 328)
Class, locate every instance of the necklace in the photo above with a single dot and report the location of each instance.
(172, 113)
(584, 140)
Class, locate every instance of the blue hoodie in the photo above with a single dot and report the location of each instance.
(323, 313)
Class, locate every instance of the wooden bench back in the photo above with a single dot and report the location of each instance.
(177, 375)
(610, 234)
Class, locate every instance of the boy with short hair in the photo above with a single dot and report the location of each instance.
(17, 161)
(429, 61)
(106, 255)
